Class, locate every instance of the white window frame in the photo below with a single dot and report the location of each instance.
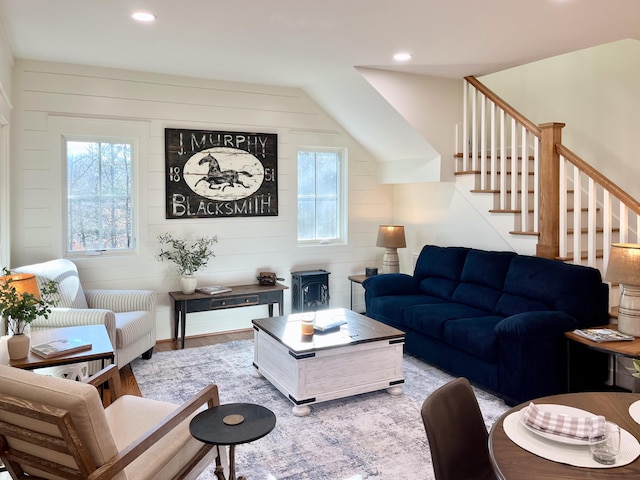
(342, 221)
(134, 155)
(100, 129)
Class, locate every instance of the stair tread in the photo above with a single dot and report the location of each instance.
(583, 255)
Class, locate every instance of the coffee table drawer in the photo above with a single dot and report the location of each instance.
(233, 301)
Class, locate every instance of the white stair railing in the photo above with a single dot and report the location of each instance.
(502, 148)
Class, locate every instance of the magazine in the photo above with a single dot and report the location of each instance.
(213, 289)
(601, 335)
(63, 346)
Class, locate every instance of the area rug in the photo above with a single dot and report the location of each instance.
(373, 435)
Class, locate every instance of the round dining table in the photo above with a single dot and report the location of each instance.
(511, 462)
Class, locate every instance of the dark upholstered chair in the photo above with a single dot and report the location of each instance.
(457, 434)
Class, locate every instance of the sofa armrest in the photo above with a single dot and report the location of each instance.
(542, 323)
(390, 284)
(532, 352)
(121, 300)
(73, 317)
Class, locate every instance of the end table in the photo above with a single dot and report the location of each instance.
(232, 424)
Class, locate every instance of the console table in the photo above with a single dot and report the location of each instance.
(239, 296)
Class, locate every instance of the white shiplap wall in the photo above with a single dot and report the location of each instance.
(47, 95)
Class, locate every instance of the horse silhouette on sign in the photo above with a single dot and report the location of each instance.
(217, 178)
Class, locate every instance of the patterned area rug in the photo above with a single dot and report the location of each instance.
(373, 435)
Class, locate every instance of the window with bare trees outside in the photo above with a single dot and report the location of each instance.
(99, 195)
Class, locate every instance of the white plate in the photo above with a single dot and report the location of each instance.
(634, 411)
(557, 410)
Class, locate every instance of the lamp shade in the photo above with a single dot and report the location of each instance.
(624, 264)
(391, 236)
(22, 283)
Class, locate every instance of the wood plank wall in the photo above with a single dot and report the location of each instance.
(50, 96)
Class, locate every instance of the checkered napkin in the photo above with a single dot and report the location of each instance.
(558, 424)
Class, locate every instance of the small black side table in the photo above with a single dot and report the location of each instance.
(232, 424)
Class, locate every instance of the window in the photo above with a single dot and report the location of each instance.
(321, 196)
(99, 195)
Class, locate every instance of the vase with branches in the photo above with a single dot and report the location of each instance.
(189, 257)
(19, 306)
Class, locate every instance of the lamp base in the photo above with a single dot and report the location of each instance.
(390, 261)
(629, 310)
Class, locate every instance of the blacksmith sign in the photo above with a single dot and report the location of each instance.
(211, 174)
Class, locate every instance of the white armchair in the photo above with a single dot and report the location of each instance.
(128, 315)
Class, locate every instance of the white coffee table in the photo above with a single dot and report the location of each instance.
(361, 356)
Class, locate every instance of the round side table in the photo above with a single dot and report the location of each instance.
(232, 424)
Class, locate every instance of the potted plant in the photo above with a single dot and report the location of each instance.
(188, 257)
(21, 302)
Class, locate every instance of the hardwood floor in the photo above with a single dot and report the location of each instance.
(129, 384)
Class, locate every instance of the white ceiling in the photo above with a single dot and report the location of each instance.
(300, 42)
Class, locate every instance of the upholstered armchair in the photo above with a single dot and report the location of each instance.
(52, 428)
(128, 315)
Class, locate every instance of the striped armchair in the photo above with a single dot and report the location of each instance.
(128, 315)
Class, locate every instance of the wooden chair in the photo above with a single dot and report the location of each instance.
(456, 433)
(52, 428)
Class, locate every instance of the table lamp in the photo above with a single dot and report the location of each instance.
(22, 283)
(391, 237)
(624, 268)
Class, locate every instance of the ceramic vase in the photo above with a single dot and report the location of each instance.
(18, 346)
(188, 283)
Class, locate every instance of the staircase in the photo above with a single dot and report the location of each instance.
(541, 197)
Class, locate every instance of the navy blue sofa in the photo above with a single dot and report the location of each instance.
(497, 318)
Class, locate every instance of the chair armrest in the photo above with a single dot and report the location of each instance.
(73, 317)
(109, 375)
(121, 300)
(119, 462)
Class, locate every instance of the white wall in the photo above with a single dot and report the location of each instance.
(47, 93)
(595, 93)
(6, 65)
(433, 212)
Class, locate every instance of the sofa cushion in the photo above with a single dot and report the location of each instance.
(475, 336)
(511, 305)
(431, 319)
(477, 296)
(440, 262)
(438, 287)
(487, 268)
(389, 308)
(574, 289)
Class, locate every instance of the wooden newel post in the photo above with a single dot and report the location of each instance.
(549, 188)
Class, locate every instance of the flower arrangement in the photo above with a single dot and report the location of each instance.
(189, 258)
(22, 308)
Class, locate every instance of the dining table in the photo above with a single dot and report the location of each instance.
(513, 462)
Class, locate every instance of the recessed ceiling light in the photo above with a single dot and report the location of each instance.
(402, 57)
(143, 16)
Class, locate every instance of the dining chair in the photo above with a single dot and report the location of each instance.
(52, 428)
(456, 433)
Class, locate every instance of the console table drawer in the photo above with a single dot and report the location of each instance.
(233, 301)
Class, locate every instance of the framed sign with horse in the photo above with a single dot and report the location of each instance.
(212, 174)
